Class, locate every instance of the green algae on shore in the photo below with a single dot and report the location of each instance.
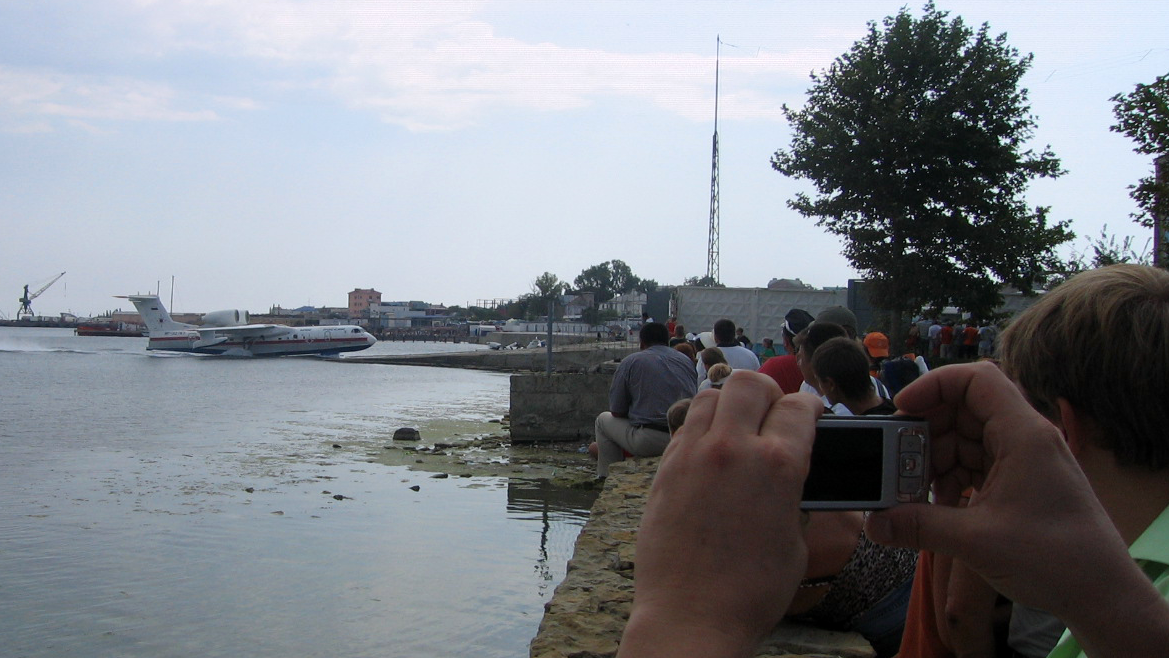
(562, 463)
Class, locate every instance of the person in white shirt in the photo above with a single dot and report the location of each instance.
(738, 357)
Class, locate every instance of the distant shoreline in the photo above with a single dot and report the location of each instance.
(572, 358)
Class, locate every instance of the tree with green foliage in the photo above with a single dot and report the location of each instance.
(1143, 115)
(607, 280)
(646, 286)
(706, 281)
(915, 142)
(1105, 250)
(594, 316)
(548, 286)
(519, 308)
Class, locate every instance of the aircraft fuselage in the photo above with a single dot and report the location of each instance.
(228, 333)
(283, 341)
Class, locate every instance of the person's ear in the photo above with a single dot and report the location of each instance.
(1076, 426)
(826, 386)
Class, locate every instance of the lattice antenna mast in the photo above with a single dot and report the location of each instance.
(712, 240)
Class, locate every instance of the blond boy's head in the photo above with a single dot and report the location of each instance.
(1101, 341)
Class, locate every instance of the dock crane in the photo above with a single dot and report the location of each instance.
(25, 312)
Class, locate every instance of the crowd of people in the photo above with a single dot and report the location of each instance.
(952, 340)
(1048, 532)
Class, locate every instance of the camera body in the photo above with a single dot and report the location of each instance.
(867, 463)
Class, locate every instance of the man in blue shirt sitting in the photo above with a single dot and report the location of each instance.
(645, 385)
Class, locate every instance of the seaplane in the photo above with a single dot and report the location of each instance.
(228, 333)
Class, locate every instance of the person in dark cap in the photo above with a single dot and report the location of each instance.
(839, 315)
(783, 369)
(794, 322)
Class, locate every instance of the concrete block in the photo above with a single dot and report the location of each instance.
(558, 408)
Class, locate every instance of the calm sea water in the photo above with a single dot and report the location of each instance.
(126, 528)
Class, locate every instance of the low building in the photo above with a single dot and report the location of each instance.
(401, 315)
(628, 305)
(575, 304)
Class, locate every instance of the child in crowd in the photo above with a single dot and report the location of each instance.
(842, 375)
(711, 356)
(715, 376)
(676, 415)
(687, 349)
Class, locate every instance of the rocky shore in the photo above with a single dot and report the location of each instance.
(587, 613)
(561, 463)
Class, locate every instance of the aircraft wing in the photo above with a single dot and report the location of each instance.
(242, 331)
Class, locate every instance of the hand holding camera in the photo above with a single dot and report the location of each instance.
(867, 463)
(719, 551)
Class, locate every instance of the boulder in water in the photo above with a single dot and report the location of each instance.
(407, 434)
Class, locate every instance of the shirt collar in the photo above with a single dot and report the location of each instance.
(1153, 544)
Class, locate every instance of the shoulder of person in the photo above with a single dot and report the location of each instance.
(886, 408)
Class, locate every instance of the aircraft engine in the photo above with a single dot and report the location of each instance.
(229, 318)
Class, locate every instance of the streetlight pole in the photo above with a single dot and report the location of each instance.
(551, 319)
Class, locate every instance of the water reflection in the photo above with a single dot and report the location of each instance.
(560, 512)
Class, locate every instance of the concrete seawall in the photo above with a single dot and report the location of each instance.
(557, 408)
(588, 611)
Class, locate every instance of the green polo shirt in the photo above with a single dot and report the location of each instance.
(1151, 551)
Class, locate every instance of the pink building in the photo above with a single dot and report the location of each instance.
(361, 299)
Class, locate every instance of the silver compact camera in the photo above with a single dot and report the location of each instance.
(867, 463)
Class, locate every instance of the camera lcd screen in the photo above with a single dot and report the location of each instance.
(847, 464)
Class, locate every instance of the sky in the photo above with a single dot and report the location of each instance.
(270, 152)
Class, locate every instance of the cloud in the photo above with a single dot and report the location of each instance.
(420, 65)
(33, 100)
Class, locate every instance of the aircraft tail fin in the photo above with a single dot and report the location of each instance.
(154, 314)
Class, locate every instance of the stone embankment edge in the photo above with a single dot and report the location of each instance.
(588, 611)
(574, 358)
